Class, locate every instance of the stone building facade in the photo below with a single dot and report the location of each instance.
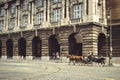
(41, 28)
(113, 7)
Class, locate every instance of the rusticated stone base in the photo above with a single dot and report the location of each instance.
(78, 40)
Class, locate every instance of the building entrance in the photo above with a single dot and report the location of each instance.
(22, 47)
(36, 47)
(9, 47)
(54, 47)
(75, 44)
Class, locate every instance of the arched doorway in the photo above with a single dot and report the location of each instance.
(102, 44)
(0, 48)
(9, 48)
(75, 44)
(36, 47)
(54, 47)
(22, 47)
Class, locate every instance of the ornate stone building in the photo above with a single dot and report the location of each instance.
(113, 11)
(42, 28)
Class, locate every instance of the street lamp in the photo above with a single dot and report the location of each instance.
(111, 49)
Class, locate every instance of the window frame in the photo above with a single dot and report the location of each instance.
(1, 23)
(39, 18)
(11, 23)
(77, 11)
(40, 5)
(13, 8)
(25, 5)
(2, 10)
(24, 21)
(56, 15)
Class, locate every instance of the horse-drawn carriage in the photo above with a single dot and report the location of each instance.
(86, 60)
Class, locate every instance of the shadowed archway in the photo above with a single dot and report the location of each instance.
(54, 46)
(36, 47)
(22, 47)
(102, 44)
(9, 48)
(75, 44)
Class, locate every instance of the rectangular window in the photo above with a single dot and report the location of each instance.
(24, 21)
(12, 8)
(39, 18)
(39, 3)
(56, 15)
(77, 11)
(55, 1)
(1, 11)
(11, 23)
(25, 5)
(1, 24)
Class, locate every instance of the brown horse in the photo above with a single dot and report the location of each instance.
(75, 59)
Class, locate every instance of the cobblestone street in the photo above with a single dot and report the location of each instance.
(50, 70)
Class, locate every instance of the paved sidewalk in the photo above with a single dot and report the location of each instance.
(52, 70)
(116, 65)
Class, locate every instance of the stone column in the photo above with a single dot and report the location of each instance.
(29, 15)
(67, 9)
(44, 12)
(90, 36)
(63, 9)
(104, 12)
(33, 8)
(92, 10)
(6, 16)
(48, 12)
(17, 16)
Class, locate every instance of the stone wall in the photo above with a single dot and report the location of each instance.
(89, 36)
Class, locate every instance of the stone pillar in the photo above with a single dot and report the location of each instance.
(44, 12)
(29, 15)
(32, 22)
(48, 11)
(67, 9)
(62, 9)
(6, 16)
(16, 18)
(19, 17)
(89, 39)
(92, 11)
(104, 12)
(44, 39)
